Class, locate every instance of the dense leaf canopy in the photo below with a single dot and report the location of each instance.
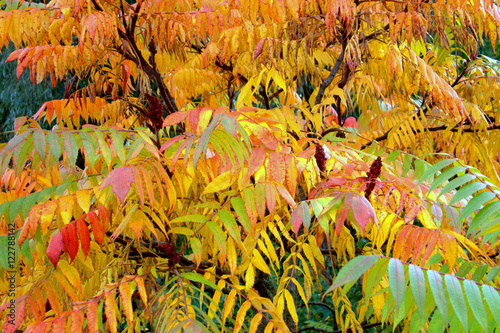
(254, 166)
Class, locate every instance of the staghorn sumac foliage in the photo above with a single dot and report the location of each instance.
(246, 162)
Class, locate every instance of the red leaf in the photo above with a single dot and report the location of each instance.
(335, 182)
(342, 214)
(120, 180)
(351, 122)
(97, 228)
(259, 47)
(170, 142)
(105, 216)
(83, 232)
(14, 317)
(277, 162)
(264, 135)
(65, 234)
(301, 216)
(73, 241)
(363, 211)
(55, 248)
(270, 198)
(258, 158)
(410, 216)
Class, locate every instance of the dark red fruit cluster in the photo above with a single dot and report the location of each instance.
(152, 46)
(155, 113)
(170, 253)
(372, 176)
(320, 157)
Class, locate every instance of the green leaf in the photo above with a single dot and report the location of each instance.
(456, 183)
(445, 176)
(219, 235)
(435, 168)
(392, 156)
(70, 147)
(40, 141)
(198, 218)
(493, 299)
(90, 151)
(352, 271)
(476, 303)
(239, 207)
(476, 203)
(492, 274)
(397, 280)
(407, 164)
(483, 215)
(15, 208)
(106, 153)
(202, 144)
(4, 250)
(375, 276)
(230, 223)
(466, 191)
(200, 279)
(417, 284)
(457, 299)
(479, 273)
(54, 144)
(118, 144)
(437, 288)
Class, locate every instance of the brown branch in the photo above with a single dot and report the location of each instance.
(374, 34)
(331, 76)
(431, 129)
(149, 70)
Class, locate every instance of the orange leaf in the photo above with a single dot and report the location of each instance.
(277, 164)
(126, 297)
(175, 118)
(110, 310)
(264, 135)
(92, 320)
(105, 216)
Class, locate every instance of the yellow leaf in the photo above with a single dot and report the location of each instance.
(66, 208)
(240, 317)
(220, 182)
(229, 304)
(249, 277)
(71, 274)
(136, 223)
(259, 262)
(291, 306)
(83, 199)
(254, 324)
(232, 256)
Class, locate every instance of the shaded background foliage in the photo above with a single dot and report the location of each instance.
(20, 97)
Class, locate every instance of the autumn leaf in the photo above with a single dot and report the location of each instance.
(120, 180)
(55, 248)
